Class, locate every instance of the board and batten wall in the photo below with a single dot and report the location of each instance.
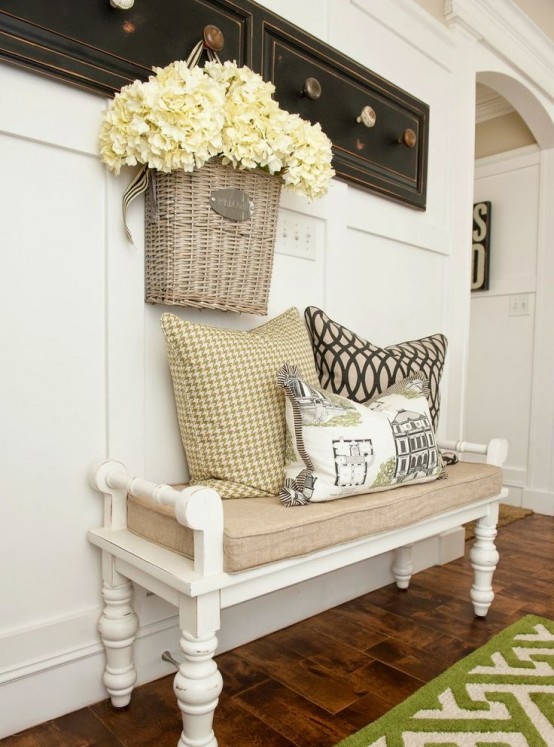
(500, 362)
(511, 348)
(84, 374)
(500, 375)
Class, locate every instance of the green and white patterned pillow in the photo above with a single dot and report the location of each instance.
(337, 447)
(231, 412)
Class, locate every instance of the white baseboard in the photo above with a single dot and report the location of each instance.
(56, 668)
(514, 477)
(541, 501)
(53, 686)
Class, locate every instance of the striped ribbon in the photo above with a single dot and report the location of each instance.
(138, 186)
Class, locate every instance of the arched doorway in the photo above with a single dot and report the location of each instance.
(510, 55)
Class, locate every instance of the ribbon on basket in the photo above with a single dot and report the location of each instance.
(141, 180)
(138, 186)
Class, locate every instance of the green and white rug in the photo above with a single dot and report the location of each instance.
(501, 695)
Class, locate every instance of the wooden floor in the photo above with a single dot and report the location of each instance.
(314, 683)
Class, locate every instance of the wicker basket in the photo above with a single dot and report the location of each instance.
(197, 257)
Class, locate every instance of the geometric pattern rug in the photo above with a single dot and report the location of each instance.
(501, 695)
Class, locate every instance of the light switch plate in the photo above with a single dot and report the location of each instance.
(297, 235)
(519, 304)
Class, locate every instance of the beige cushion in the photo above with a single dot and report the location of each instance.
(231, 411)
(261, 530)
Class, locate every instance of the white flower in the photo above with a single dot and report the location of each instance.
(180, 118)
(309, 167)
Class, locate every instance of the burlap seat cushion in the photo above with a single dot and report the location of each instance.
(261, 530)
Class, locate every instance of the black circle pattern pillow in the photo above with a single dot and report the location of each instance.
(355, 368)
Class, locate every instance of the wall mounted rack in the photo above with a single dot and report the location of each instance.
(379, 131)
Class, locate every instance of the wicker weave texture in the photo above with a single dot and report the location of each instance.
(196, 257)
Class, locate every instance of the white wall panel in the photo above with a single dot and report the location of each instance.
(309, 15)
(385, 291)
(37, 108)
(499, 377)
(515, 210)
(53, 375)
(164, 456)
(374, 214)
(500, 362)
(124, 323)
(373, 32)
(401, 19)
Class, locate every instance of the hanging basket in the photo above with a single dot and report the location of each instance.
(210, 236)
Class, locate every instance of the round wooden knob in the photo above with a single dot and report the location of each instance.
(213, 38)
(367, 117)
(312, 89)
(408, 138)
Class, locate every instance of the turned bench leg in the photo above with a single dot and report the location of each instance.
(484, 559)
(402, 568)
(118, 627)
(197, 686)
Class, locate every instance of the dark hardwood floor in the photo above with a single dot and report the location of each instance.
(314, 683)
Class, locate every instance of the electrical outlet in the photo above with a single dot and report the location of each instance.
(296, 235)
(519, 304)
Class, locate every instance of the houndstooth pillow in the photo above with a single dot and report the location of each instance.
(231, 412)
(355, 368)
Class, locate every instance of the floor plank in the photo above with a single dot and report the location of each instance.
(79, 729)
(153, 712)
(296, 718)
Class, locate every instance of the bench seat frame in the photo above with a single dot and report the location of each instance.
(200, 588)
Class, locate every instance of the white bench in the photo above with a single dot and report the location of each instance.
(231, 560)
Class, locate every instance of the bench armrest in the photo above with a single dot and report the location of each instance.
(196, 507)
(495, 451)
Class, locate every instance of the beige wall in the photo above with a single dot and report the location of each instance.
(540, 11)
(501, 134)
(434, 7)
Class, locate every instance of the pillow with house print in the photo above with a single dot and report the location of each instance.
(337, 447)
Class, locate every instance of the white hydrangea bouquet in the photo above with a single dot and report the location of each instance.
(215, 149)
(182, 116)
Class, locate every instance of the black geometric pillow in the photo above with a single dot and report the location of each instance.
(355, 368)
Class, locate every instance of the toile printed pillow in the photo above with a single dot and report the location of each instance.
(337, 447)
(355, 368)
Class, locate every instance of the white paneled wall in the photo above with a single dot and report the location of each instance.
(52, 340)
(500, 370)
(379, 270)
(53, 383)
(83, 371)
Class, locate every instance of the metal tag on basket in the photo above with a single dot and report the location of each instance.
(232, 203)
